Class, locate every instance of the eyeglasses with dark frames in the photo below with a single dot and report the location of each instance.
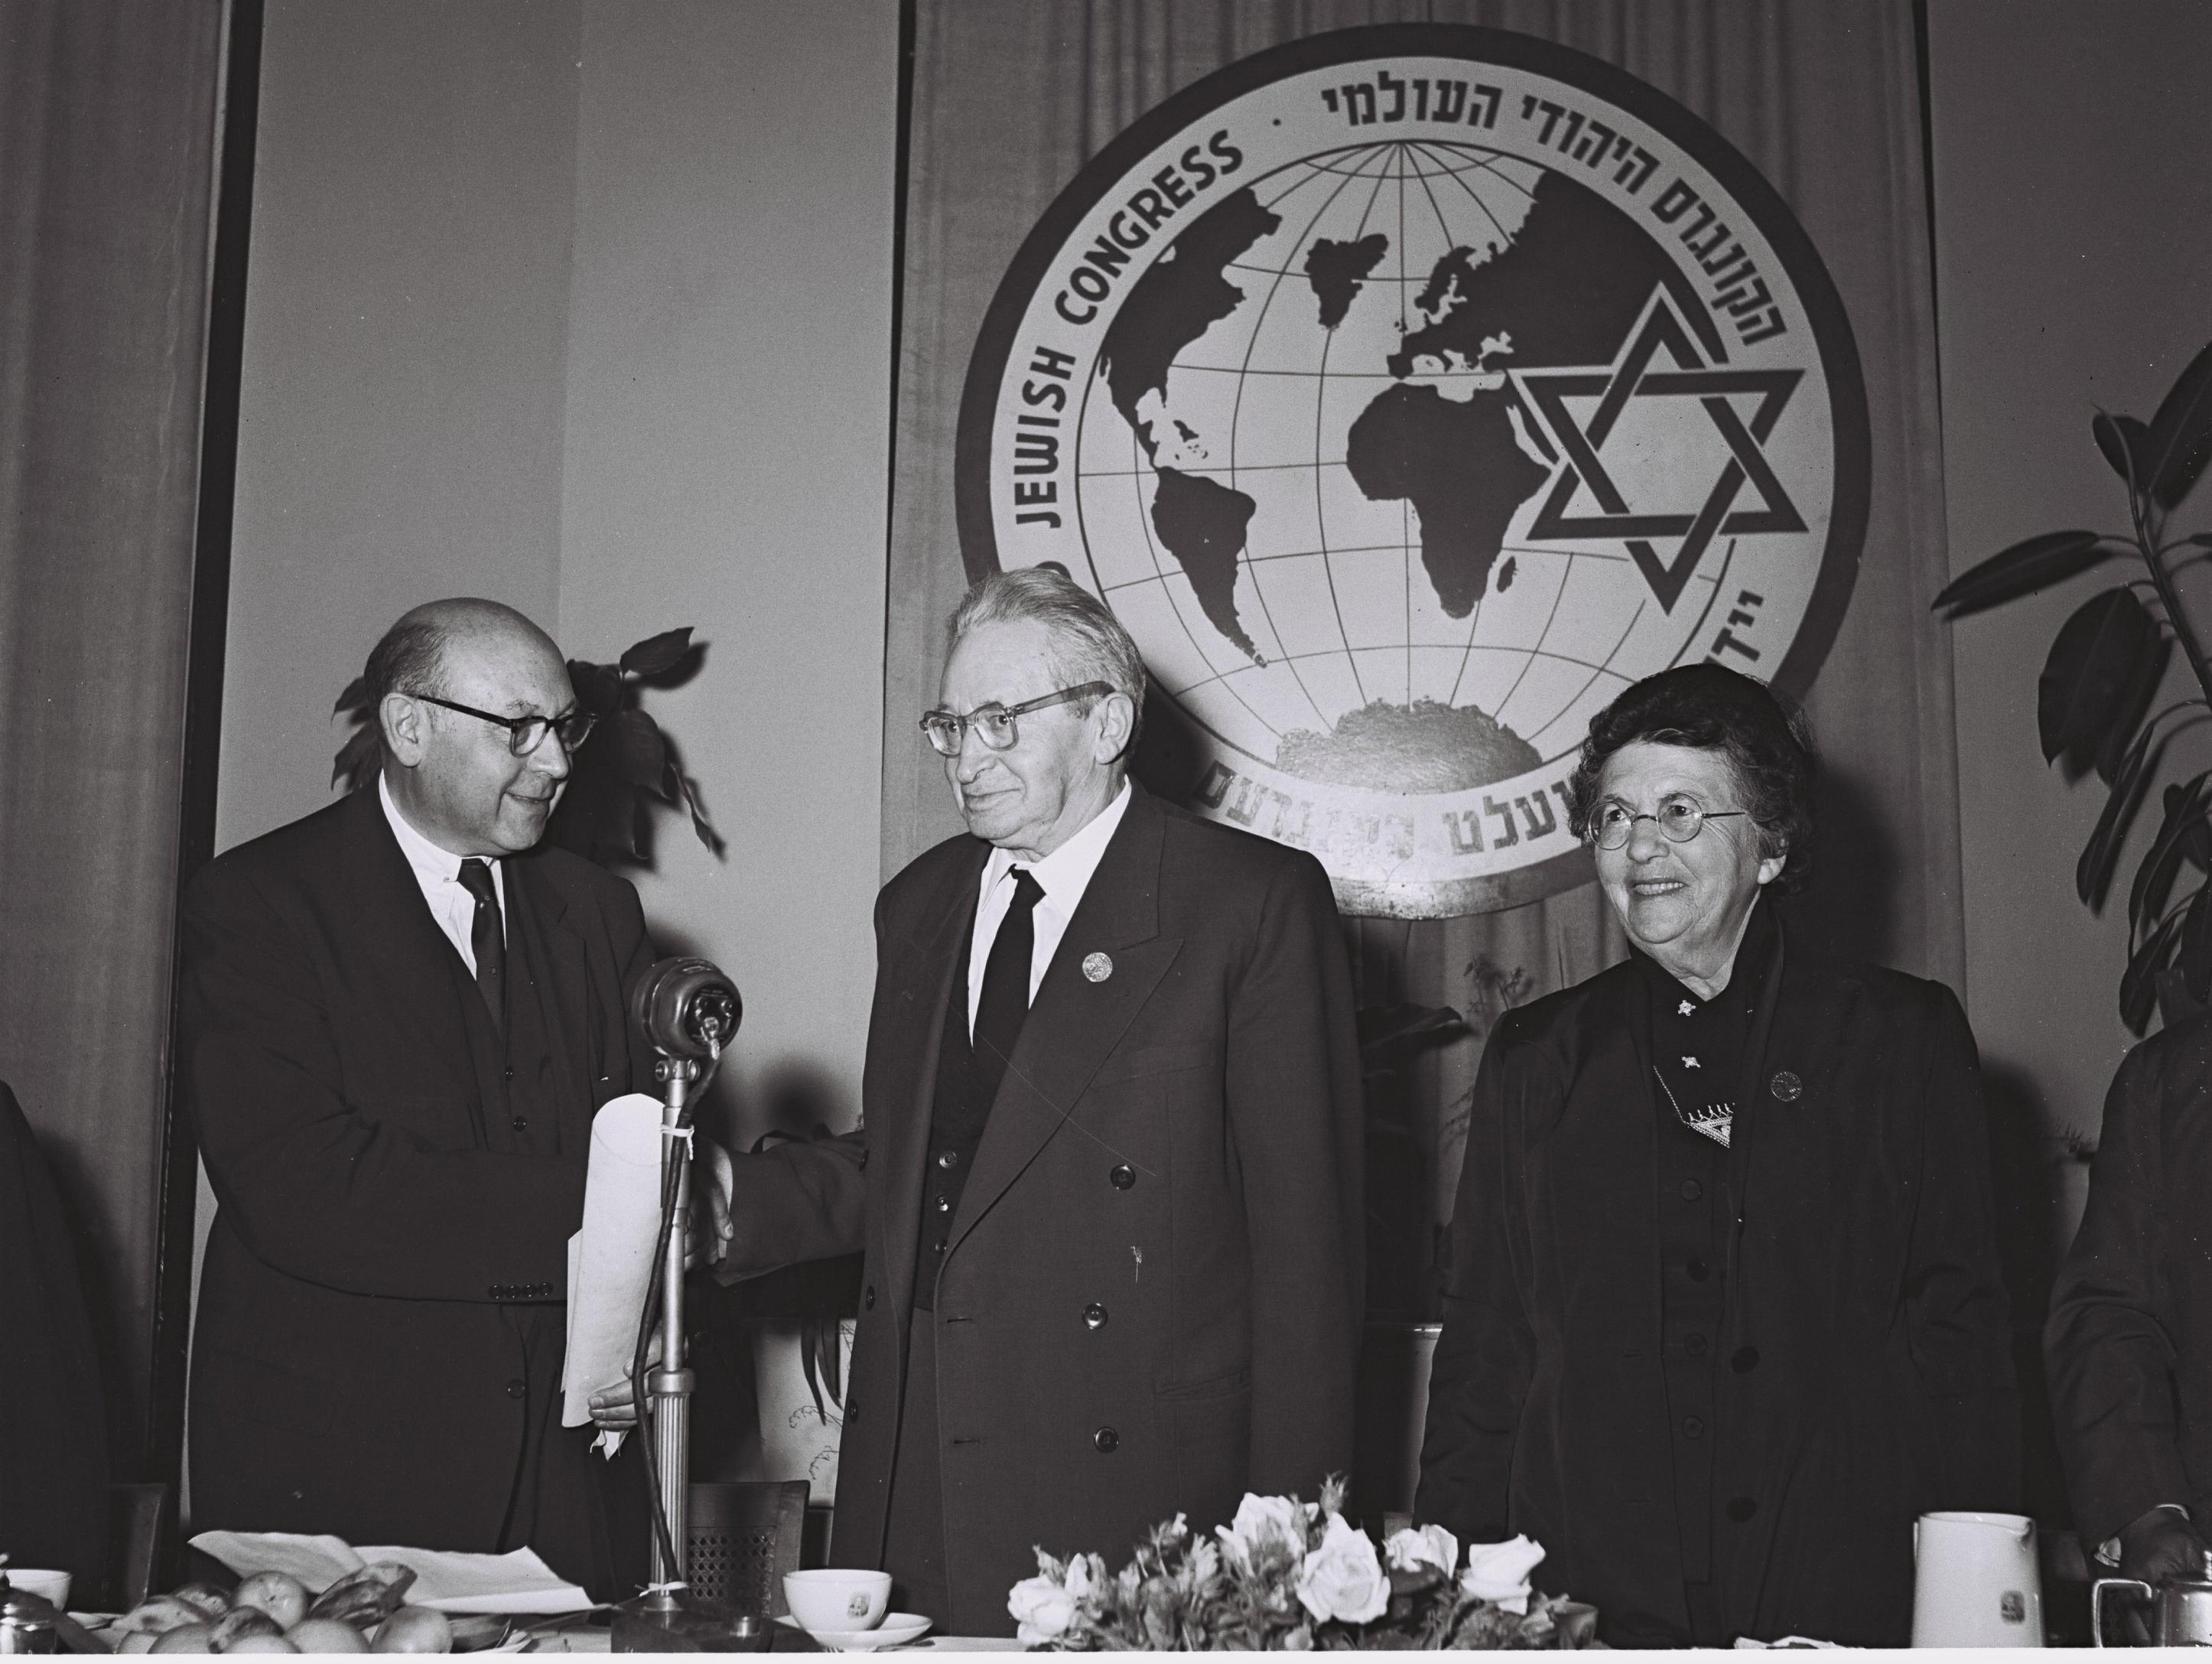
(1678, 820)
(526, 734)
(994, 723)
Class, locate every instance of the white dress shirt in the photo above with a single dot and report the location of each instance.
(438, 872)
(1063, 875)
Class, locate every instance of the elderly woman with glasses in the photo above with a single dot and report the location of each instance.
(1723, 1312)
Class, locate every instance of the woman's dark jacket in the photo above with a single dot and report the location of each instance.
(1862, 1374)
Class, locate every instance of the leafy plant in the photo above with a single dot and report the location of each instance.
(2094, 698)
(626, 766)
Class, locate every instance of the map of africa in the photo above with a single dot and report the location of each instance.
(1544, 274)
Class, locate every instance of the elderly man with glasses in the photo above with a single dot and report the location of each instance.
(399, 1015)
(1109, 1185)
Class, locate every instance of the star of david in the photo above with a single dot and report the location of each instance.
(1686, 1008)
(1691, 1062)
(1580, 446)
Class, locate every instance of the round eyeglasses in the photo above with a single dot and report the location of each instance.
(1678, 820)
(526, 734)
(994, 724)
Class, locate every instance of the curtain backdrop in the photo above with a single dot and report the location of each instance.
(108, 121)
(1011, 97)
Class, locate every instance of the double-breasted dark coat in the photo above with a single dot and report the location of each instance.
(380, 1316)
(1214, 1068)
(2130, 1336)
(1863, 1371)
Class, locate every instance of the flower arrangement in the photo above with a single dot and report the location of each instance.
(1287, 1576)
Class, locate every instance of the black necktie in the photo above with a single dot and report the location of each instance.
(486, 939)
(1005, 998)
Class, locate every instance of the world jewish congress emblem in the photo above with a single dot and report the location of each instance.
(1408, 392)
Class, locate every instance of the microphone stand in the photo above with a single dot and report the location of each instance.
(689, 1010)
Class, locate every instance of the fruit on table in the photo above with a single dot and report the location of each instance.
(263, 1615)
(414, 1630)
(366, 1597)
(239, 1623)
(283, 1596)
(165, 1612)
(326, 1635)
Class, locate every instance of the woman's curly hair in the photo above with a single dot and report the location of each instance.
(1709, 707)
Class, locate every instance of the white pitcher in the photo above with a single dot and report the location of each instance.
(1976, 1583)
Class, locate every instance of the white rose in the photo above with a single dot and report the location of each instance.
(1343, 1578)
(1500, 1572)
(1256, 1517)
(1042, 1610)
(1085, 1573)
(1431, 1546)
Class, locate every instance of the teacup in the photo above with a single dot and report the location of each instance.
(836, 1598)
(53, 1586)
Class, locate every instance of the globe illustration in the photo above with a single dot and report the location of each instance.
(1313, 485)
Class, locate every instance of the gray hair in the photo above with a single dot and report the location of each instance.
(410, 658)
(1088, 643)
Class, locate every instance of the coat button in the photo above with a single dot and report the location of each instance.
(1697, 1269)
(520, 1124)
(1123, 1176)
(1695, 1346)
(1741, 1508)
(868, 1297)
(514, 1389)
(948, 1159)
(945, 1204)
(508, 1074)
(1692, 1427)
(1094, 1316)
(1107, 1440)
(1786, 1087)
(1744, 1360)
(1692, 1190)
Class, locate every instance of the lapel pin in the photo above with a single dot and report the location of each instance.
(1097, 967)
(1786, 1087)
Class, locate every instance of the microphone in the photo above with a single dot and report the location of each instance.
(687, 1008)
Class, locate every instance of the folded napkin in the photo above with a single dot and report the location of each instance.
(444, 1579)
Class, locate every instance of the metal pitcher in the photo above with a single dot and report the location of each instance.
(27, 1623)
(2180, 1608)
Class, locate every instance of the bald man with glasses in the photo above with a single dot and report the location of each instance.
(1110, 1184)
(399, 1015)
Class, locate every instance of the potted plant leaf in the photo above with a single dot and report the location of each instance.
(2095, 698)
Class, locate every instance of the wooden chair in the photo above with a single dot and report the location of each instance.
(741, 1538)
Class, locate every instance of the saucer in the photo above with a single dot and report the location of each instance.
(895, 1630)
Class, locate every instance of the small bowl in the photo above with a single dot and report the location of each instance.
(836, 1598)
(53, 1586)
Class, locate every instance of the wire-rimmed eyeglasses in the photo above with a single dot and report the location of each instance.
(1678, 820)
(526, 734)
(994, 723)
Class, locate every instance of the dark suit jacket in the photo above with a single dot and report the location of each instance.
(1878, 1382)
(352, 1360)
(2130, 1362)
(53, 1412)
(1218, 1064)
